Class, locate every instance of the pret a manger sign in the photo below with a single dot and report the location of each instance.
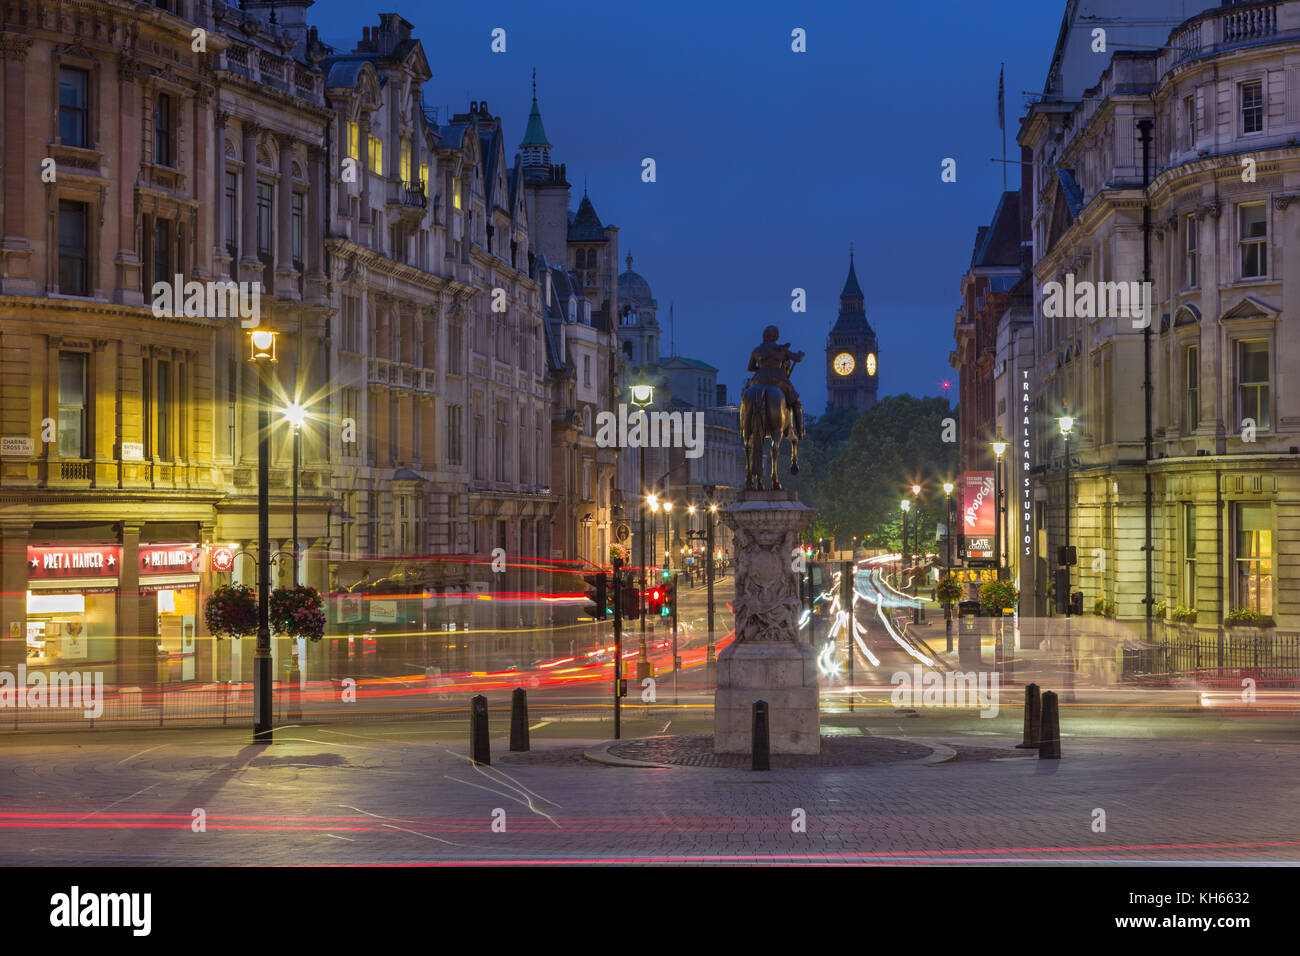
(73, 561)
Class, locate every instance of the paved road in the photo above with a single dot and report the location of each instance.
(404, 792)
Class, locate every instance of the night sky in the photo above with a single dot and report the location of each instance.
(769, 162)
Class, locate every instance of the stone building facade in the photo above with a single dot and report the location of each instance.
(1222, 98)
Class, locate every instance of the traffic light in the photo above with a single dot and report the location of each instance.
(631, 601)
(654, 600)
(1067, 556)
(598, 594)
(1076, 603)
(668, 598)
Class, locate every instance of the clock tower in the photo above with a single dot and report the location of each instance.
(852, 356)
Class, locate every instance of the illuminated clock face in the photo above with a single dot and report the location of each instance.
(871, 363)
(843, 363)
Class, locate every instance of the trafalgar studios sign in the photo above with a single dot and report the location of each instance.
(978, 516)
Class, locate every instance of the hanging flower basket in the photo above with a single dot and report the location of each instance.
(618, 553)
(231, 611)
(948, 590)
(298, 611)
(996, 595)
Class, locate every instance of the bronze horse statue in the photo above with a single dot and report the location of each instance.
(765, 419)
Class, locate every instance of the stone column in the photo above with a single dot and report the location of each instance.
(250, 263)
(13, 597)
(767, 661)
(221, 261)
(136, 661)
(363, 148)
(314, 228)
(19, 179)
(286, 277)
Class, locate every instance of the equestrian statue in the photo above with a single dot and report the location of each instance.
(770, 409)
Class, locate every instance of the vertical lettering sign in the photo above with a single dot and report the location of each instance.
(1026, 495)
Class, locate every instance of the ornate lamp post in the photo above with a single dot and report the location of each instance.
(1066, 423)
(296, 415)
(903, 555)
(999, 449)
(668, 534)
(710, 657)
(642, 395)
(916, 538)
(262, 354)
(947, 561)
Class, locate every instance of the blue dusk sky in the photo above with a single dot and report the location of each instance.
(769, 162)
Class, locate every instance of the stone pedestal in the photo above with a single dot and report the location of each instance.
(767, 661)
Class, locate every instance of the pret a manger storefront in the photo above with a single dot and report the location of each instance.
(74, 605)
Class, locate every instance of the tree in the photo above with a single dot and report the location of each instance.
(857, 482)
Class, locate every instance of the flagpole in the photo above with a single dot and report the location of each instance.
(1002, 121)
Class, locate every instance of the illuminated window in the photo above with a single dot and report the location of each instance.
(354, 141)
(405, 166)
(424, 174)
(1254, 558)
(455, 191)
(377, 155)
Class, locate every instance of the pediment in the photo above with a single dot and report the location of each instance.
(1250, 308)
(1187, 315)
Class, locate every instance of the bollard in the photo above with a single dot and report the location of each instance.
(1033, 718)
(479, 751)
(760, 743)
(519, 719)
(1049, 747)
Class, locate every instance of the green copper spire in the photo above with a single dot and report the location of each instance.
(534, 134)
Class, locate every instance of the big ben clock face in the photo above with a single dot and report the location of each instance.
(843, 363)
(871, 363)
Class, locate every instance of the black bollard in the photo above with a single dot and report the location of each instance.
(1033, 718)
(1049, 746)
(479, 751)
(519, 719)
(761, 743)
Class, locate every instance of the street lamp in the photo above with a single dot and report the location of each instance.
(709, 490)
(1066, 423)
(999, 449)
(262, 354)
(903, 557)
(296, 415)
(668, 534)
(916, 538)
(643, 394)
(947, 560)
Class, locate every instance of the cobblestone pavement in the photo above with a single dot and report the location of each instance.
(696, 750)
(388, 793)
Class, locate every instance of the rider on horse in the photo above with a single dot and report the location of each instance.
(772, 362)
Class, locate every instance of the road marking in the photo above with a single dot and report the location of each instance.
(141, 753)
(539, 726)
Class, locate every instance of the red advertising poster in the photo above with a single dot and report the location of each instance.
(978, 519)
(73, 561)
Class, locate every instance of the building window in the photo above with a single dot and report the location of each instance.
(1189, 121)
(162, 251)
(455, 192)
(1189, 246)
(456, 345)
(74, 127)
(1252, 107)
(404, 161)
(503, 427)
(424, 176)
(1253, 239)
(72, 404)
(295, 226)
(1252, 382)
(1192, 412)
(455, 446)
(354, 141)
(372, 524)
(1188, 584)
(232, 212)
(162, 131)
(1254, 558)
(264, 218)
(162, 402)
(74, 248)
(376, 155)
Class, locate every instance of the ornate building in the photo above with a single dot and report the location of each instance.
(852, 355)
